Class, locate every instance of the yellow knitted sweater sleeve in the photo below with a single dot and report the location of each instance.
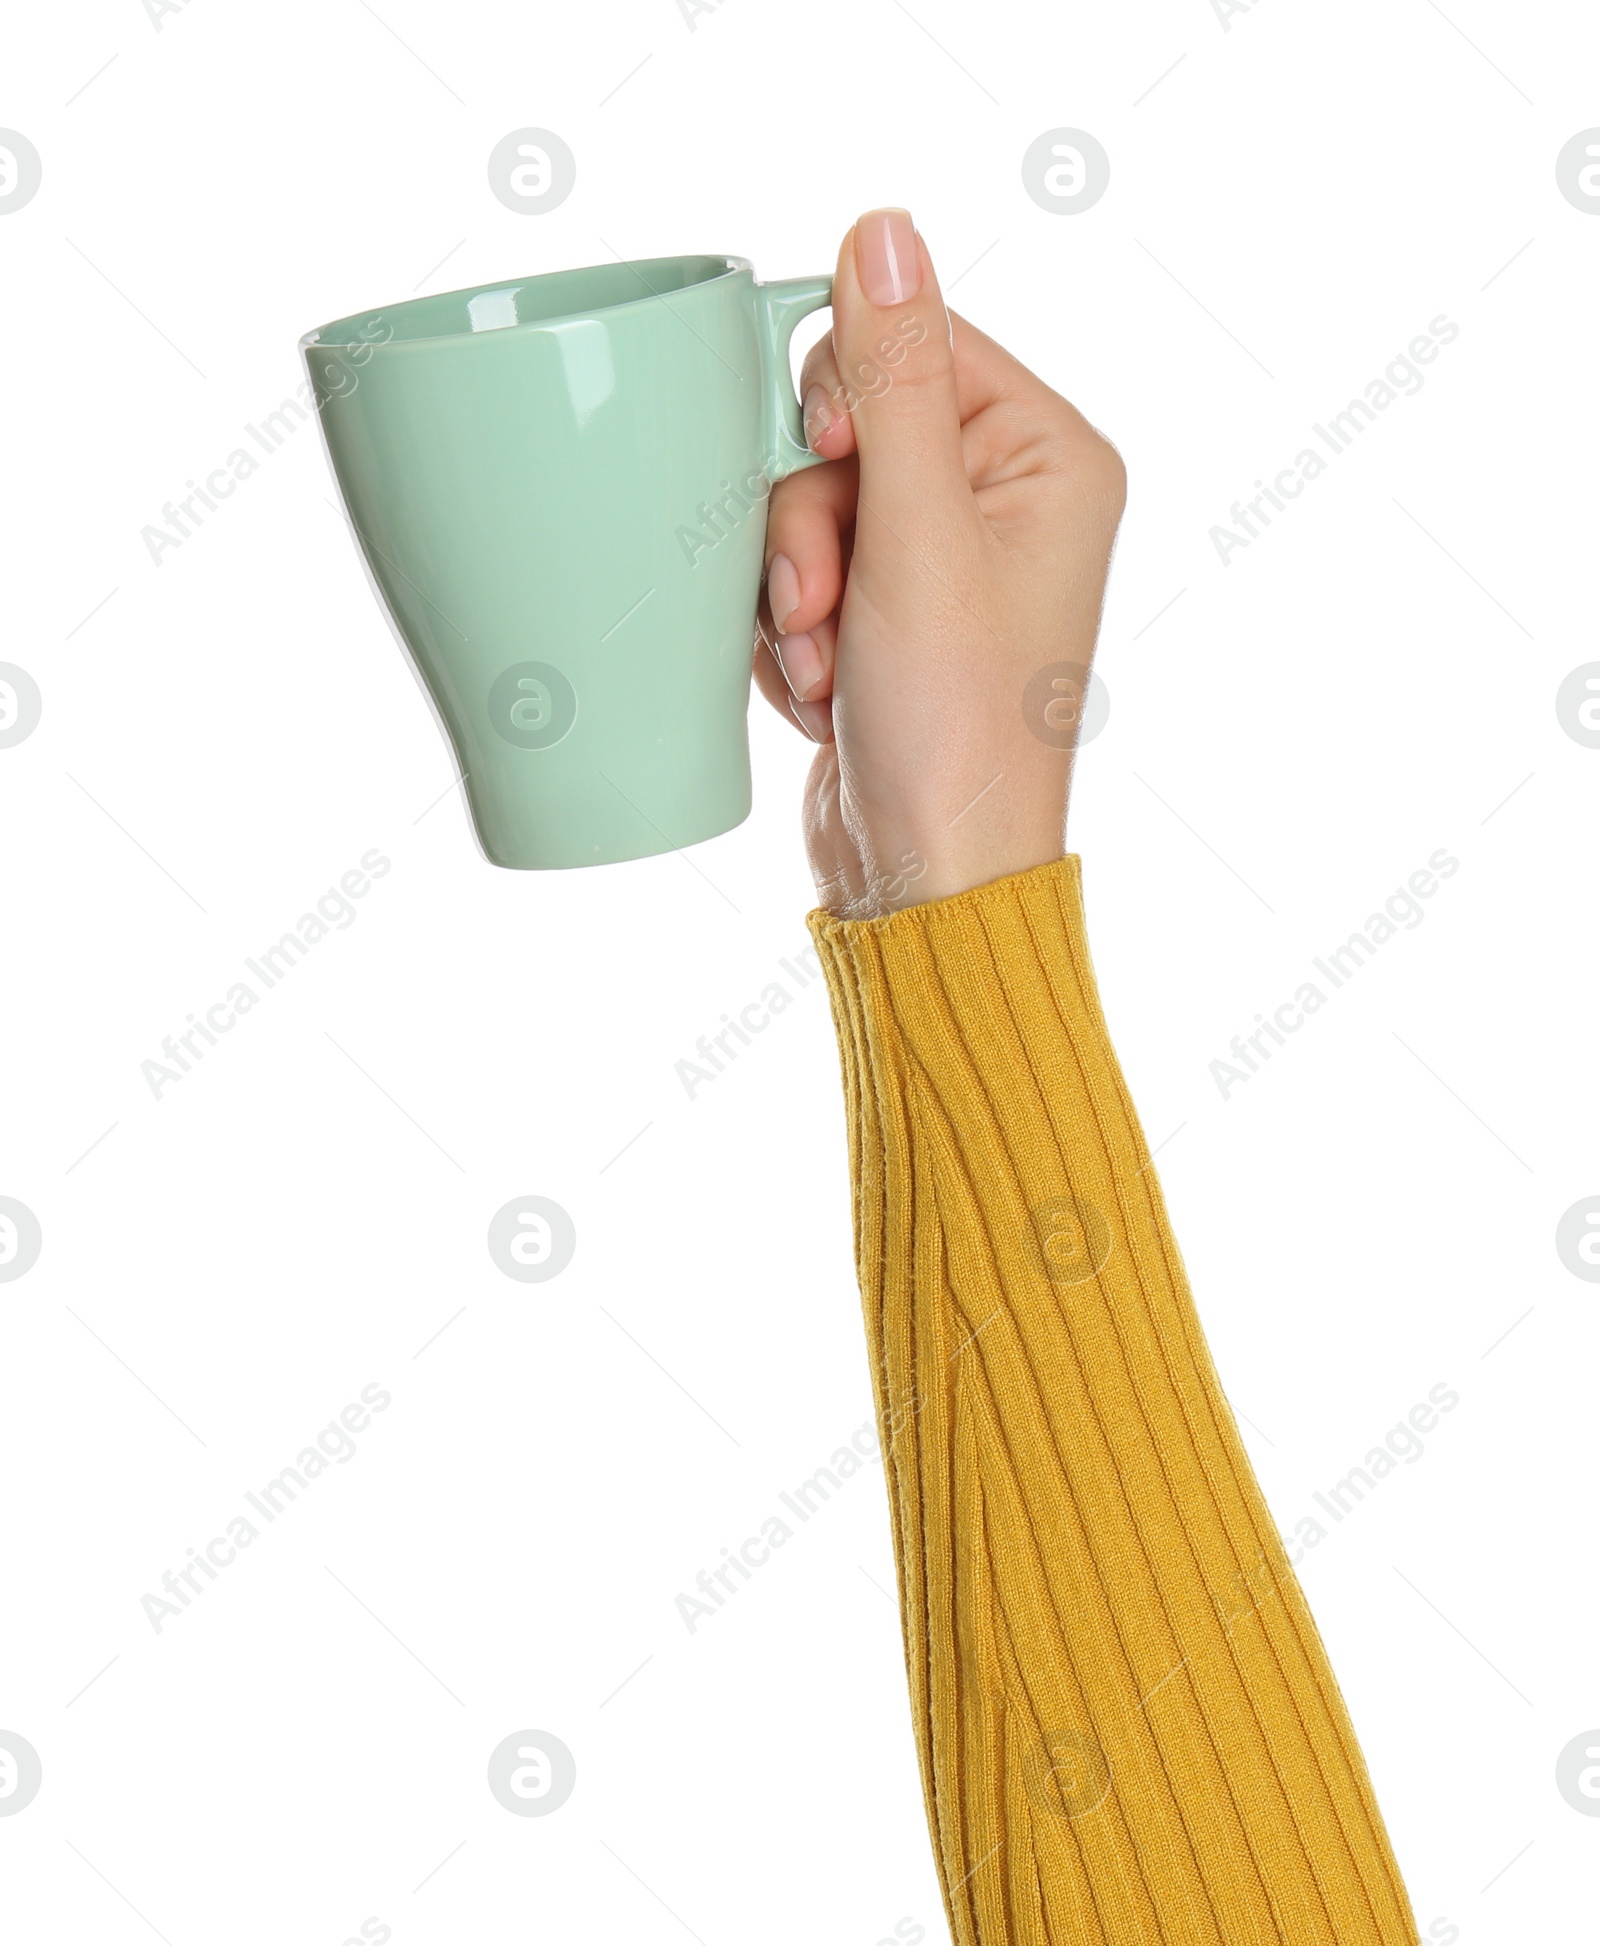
(1128, 1729)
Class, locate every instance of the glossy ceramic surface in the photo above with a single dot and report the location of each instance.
(560, 486)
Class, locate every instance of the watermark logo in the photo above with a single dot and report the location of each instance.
(1066, 171)
(753, 1018)
(334, 1445)
(693, 11)
(723, 512)
(532, 1239)
(1401, 378)
(20, 1773)
(532, 171)
(885, 891)
(21, 705)
(532, 1773)
(336, 369)
(1578, 1774)
(1401, 913)
(1577, 705)
(20, 1239)
(1074, 1239)
(532, 705)
(1065, 703)
(156, 11)
(1577, 171)
(1402, 1445)
(21, 171)
(1577, 1240)
(333, 372)
(738, 1565)
(867, 378)
(334, 912)
(1067, 1776)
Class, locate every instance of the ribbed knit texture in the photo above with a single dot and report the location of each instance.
(1128, 1728)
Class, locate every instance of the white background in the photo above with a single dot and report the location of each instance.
(1371, 1215)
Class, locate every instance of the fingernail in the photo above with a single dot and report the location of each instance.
(886, 256)
(816, 719)
(801, 662)
(783, 589)
(818, 415)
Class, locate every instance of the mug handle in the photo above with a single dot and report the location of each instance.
(779, 308)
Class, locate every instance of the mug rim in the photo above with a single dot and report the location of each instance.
(350, 339)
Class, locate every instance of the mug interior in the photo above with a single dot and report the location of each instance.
(525, 300)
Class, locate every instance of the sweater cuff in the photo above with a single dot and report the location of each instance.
(983, 1008)
(1042, 893)
(1004, 967)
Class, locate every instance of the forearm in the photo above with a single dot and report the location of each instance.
(1128, 1728)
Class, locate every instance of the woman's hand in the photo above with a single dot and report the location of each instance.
(932, 594)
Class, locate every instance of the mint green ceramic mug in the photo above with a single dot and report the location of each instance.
(560, 486)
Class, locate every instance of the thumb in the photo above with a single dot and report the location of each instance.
(891, 336)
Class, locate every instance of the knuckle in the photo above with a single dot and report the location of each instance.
(1107, 471)
(819, 367)
(921, 375)
(1085, 456)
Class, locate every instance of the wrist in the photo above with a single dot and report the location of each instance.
(907, 875)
